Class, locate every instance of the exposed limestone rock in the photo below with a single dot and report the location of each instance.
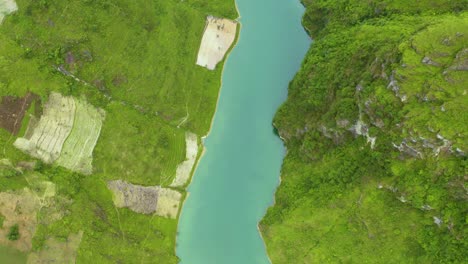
(361, 129)
(429, 61)
(405, 148)
(371, 140)
(359, 87)
(461, 61)
(330, 133)
(393, 84)
(426, 207)
(342, 123)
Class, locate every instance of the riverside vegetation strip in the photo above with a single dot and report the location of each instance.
(395, 72)
(135, 60)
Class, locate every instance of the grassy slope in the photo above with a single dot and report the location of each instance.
(138, 60)
(329, 207)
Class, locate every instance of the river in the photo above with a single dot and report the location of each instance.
(236, 178)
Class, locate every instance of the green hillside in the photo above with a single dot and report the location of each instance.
(136, 61)
(375, 125)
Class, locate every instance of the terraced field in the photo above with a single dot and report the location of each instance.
(51, 131)
(77, 150)
(66, 133)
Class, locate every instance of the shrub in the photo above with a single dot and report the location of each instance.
(13, 234)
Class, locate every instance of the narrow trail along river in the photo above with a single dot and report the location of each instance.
(236, 178)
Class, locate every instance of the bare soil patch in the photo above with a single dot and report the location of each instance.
(28, 207)
(146, 200)
(137, 198)
(12, 111)
(185, 168)
(168, 203)
(217, 39)
(19, 208)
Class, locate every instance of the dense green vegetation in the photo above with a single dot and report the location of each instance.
(135, 60)
(13, 233)
(394, 71)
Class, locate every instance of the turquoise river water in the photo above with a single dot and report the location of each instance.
(237, 176)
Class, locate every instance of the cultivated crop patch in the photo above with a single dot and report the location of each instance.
(51, 131)
(12, 111)
(77, 151)
(184, 169)
(217, 38)
(67, 133)
(7, 7)
(146, 200)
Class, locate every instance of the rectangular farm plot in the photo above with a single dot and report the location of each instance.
(145, 199)
(7, 7)
(66, 133)
(13, 110)
(77, 151)
(217, 39)
(52, 129)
